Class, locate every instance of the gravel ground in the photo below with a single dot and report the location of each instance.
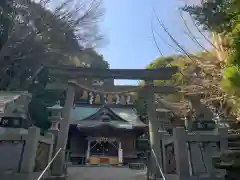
(104, 173)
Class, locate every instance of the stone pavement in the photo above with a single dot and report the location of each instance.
(104, 173)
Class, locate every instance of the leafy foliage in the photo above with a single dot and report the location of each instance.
(222, 17)
(200, 74)
(219, 16)
(6, 14)
(35, 36)
(212, 15)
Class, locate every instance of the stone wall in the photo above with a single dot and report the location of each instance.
(18, 152)
(193, 152)
(12, 144)
(44, 152)
(11, 155)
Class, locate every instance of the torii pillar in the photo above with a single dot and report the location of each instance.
(59, 162)
(155, 139)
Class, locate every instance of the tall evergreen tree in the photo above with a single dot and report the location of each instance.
(33, 35)
(6, 14)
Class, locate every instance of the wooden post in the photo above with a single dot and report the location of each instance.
(88, 152)
(155, 140)
(58, 165)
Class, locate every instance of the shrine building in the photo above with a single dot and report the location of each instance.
(104, 129)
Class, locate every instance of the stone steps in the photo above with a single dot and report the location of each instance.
(56, 178)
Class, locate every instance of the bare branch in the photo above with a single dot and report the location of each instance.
(205, 37)
(154, 38)
(190, 34)
(190, 56)
(171, 37)
(165, 41)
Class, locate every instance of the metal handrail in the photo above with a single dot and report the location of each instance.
(49, 164)
(159, 166)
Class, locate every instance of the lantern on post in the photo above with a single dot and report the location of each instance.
(55, 116)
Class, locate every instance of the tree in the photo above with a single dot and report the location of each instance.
(211, 15)
(39, 37)
(6, 15)
(221, 16)
(199, 75)
(89, 58)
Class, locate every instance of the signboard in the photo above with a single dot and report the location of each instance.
(13, 122)
(203, 125)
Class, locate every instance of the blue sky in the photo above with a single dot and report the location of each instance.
(127, 27)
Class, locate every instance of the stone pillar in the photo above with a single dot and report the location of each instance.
(55, 134)
(164, 137)
(120, 153)
(181, 152)
(59, 163)
(188, 123)
(51, 148)
(55, 117)
(88, 152)
(30, 150)
(223, 133)
(155, 140)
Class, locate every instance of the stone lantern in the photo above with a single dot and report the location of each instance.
(55, 116)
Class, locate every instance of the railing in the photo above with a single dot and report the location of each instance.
(49, 164)
(158, 164)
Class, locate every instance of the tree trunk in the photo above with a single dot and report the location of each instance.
(217, 40)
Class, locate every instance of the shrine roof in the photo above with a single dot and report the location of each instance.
(122, 116)
(7, 97)
(80, 113)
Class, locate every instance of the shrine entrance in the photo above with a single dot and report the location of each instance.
(68, 79)
(103, 147)
(104, 150)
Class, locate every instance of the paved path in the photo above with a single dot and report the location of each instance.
(104, 173)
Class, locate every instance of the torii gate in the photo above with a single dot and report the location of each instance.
(67, 77)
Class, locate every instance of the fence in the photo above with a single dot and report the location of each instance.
(44, 152)
(23, 152)
(188, 155)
